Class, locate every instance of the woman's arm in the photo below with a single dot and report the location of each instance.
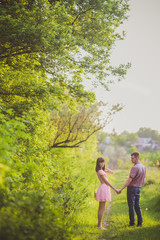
(107, 170)
(106, 182)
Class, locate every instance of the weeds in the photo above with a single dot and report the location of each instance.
(117, 227)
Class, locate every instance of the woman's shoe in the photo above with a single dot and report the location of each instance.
(102, 228)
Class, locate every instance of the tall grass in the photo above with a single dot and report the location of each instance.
(87, 220)
(118, 220)
(150, 205)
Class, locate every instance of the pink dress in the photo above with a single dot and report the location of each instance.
(103, 193)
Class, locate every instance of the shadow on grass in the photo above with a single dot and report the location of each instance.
(132, 233)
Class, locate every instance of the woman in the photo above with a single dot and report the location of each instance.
(103, 194)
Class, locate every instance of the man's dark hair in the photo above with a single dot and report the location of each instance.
(135, 154)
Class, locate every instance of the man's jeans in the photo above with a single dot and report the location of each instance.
(133, 197)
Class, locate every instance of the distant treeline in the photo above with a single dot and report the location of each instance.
(118, 147)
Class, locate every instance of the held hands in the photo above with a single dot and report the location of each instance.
(118, 191)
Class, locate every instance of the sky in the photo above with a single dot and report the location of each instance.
(140, 91)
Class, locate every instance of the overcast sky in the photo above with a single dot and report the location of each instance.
(140, 91)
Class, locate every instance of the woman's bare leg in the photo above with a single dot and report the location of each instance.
(100, 213)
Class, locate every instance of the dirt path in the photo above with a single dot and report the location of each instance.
(106, 223)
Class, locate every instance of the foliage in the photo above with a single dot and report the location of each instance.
(74, 128)
(119, 218)
(150, 133)
(101, 136)
(119, 148)
(116, 153)
(47, 48)
(43, 191)
(151, 159)
(64, 38)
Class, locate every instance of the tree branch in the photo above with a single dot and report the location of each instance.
(16, 54)
(80, 14)
(58, 145)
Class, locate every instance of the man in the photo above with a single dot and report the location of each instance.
(133, 184)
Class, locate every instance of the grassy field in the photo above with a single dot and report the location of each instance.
(150, 205)
(118, 219)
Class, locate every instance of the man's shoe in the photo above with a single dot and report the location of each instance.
(139, 225)
(131, 225)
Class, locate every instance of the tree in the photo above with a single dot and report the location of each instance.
(68, 39)
(149, 133)
(74, 128)
(47, 48)
(119, 140)
(114, 153)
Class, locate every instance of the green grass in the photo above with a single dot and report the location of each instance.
(86, 223)
(150, 205)
(85, 228)
(118, 219)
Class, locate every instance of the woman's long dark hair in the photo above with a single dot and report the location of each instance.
(99, 160)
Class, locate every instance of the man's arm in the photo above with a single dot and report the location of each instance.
(143, 182)
(129, 180)
(144, 178)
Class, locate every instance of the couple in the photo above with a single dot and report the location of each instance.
(133, 184)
